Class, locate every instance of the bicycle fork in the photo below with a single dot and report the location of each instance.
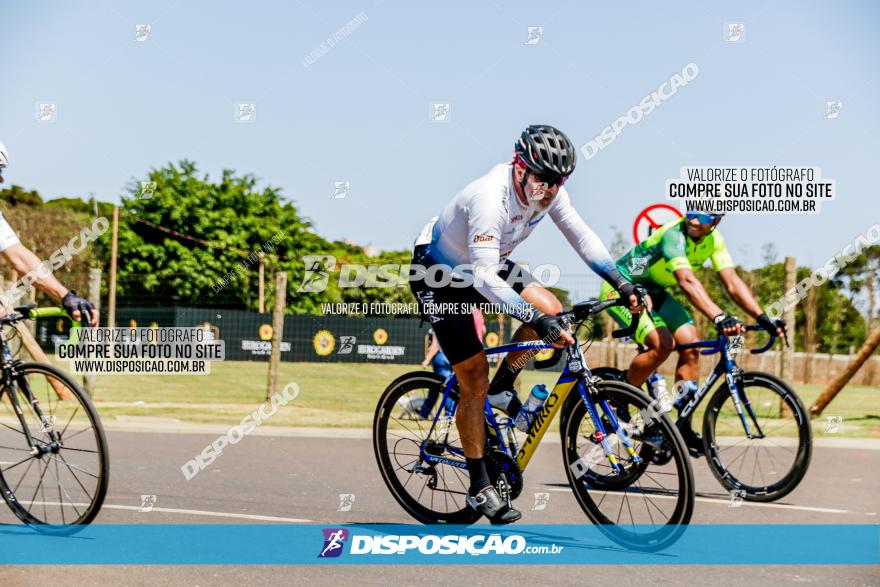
(46, 424)
(601, 433)
(740, 402)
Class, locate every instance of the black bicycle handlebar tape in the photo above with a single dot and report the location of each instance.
(633, 323)
(773, 337)
(85, 315)
(546, 326)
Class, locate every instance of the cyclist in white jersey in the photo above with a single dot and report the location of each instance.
(472, 239)
(25, 261)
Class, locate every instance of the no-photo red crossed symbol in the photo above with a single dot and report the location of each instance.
(652, 218)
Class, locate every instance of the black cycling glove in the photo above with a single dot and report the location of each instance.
(72, 302)
(723, 321)
(769, 325)
(549, 328)
(627, 289)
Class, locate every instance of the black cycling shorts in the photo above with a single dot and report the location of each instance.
(454, 327)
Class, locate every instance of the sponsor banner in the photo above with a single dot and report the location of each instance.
(222, 544)
(311, 338)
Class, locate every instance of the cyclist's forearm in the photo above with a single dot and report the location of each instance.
(739, 292)
(699, 297)
(26, 262)
(743, 298)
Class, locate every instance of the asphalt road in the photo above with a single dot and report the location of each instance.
(294, 479)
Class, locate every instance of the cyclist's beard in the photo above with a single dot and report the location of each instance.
(544, 201)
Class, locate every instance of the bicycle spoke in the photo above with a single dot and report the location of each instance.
(60, 489)
(83, 487)
(23, 475)
(16, 448)
(39, 484)
(75, 434)
(81, 449)
(17, 464)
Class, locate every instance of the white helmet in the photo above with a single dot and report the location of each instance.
(4, 157)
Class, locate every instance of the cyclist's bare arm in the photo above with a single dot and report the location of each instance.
(432, 351)
(696, 293)
(739, 291)
(26, 261)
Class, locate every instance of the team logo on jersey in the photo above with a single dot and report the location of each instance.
(483, 238)
(637, 265)
(517, 218)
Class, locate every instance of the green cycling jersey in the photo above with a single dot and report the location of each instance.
(653, 262)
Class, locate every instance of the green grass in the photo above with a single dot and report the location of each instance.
(345, 395)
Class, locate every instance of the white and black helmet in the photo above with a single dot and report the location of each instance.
(546, 151)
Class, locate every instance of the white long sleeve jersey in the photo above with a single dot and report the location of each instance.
(485, 221)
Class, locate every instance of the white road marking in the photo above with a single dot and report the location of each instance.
(109, 506)
(802, 508)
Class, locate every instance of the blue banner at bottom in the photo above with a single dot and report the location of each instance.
(416, 544)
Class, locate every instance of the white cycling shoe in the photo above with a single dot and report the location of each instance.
(490, 504)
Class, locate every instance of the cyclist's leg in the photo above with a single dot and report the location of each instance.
(510, 367)
(654, 335)
(687, 371)
(457, 336)
(681, 324)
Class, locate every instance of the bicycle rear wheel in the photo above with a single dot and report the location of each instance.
(764, 469)
(432, 493)
(649, 506)
(62, 478)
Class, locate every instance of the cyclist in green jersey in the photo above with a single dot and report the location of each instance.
(668, 258)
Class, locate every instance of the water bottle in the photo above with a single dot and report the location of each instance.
(657, 387)
(532, 407)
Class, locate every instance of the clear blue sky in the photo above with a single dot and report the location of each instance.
(361, 112)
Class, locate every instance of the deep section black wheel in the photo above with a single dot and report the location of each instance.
(647, 506)
(767, 467)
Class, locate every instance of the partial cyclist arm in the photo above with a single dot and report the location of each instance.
(484, 236)
(739, 291)
(696, 293)
(26, 261)
(486, 214)
(432, 351)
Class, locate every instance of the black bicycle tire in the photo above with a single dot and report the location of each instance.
(800, 464)
(104, 477)
(388, 399)
(683, 511)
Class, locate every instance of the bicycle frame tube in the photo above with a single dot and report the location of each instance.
(554, 402)
(727, 368)
(551, 406)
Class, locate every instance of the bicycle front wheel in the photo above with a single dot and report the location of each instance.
(60, 476)
(649, 506)
(773, 462)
